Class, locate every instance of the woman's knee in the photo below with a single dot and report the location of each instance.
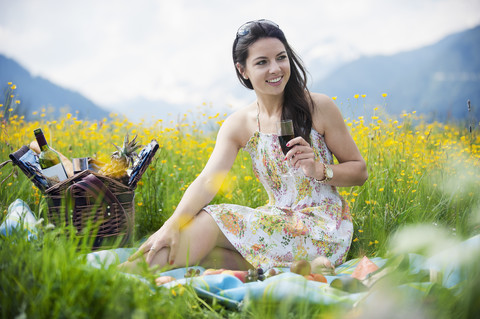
(161, 257)
(220, 238)
(205, 223)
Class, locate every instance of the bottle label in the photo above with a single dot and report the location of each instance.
(56, 172)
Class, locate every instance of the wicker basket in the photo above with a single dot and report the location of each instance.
(99, 202)
(102, 205)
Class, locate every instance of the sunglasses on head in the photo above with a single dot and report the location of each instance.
(245, 28)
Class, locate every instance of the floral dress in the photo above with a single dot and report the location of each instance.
(303, 219)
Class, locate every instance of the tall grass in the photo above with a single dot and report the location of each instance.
(419, 172)
(51, 279)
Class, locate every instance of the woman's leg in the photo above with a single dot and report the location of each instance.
(197, 239)
(197, 242)
(225, 258)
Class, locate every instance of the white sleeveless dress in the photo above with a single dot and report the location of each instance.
(303, 219)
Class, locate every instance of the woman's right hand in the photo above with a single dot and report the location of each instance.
(167, 236)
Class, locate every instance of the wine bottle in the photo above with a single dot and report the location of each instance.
(48, 159)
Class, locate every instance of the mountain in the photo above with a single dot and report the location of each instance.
(435, 80)
(36, 93)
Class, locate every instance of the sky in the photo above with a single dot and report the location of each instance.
(179, 51)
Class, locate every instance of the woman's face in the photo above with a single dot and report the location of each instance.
(267, 66)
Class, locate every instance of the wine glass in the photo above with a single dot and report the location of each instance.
(285, 134)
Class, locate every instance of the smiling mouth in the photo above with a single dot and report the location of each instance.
(276, 80)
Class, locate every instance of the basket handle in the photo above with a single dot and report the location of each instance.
(95, 187)
(5, 163)
(14, 171)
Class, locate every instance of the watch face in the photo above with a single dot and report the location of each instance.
(329, 172)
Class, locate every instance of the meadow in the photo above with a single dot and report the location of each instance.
(420, 173)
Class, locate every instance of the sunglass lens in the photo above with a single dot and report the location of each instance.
(245, 28)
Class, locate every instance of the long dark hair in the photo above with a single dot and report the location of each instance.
(297, 102)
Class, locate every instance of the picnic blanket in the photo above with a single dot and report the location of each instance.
(19, 216)
(285, 286)
(231, 291)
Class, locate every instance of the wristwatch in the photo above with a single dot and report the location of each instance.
(327, 172)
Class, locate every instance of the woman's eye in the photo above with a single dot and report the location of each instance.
(261, 62)
(282, 57)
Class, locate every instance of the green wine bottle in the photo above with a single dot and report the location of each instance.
(48, 159)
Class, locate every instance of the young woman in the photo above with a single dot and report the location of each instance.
(305, 217)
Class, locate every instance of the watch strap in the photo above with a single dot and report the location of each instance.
(325, 178)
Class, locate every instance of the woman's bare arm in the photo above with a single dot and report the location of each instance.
(199, 193)
(206, 185)
(351, 169)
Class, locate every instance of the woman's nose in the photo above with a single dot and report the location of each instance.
(274, 67)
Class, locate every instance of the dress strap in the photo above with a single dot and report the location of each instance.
(258, 116)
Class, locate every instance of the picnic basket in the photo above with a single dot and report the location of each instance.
(99, 207)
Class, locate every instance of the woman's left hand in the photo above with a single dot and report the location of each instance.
(301, 156)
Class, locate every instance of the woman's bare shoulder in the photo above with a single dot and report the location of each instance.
(241, 124)
(323, 103)
(324, 111)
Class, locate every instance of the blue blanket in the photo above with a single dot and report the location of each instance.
(230, 290)
(290, 287)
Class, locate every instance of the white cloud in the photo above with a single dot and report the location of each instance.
(180, 51)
